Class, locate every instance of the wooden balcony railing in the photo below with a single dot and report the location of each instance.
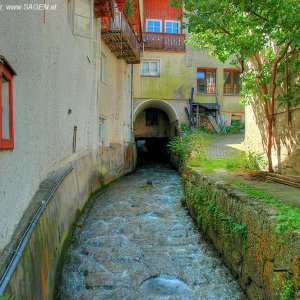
(119, 37)
(104, 8)
(164, 41)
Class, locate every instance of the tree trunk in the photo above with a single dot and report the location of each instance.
(269, 145)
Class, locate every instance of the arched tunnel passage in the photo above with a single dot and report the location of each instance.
(155, 124)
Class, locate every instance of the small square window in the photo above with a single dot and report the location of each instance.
(153, 26)
(172, 27)
(150, 68)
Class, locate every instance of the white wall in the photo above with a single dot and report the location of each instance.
(115, 99)
(53, 76)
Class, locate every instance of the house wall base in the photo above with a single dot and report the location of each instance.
(36, 273)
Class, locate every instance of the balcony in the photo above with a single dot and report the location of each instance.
(103, 8)
(164, 41)
(120, 38)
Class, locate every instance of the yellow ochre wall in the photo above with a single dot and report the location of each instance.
(178, 76)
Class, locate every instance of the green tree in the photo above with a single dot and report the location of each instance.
(263, 36)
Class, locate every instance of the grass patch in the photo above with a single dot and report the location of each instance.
(191, 148)
(288, 217)
(4, 297)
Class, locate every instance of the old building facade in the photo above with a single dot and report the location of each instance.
(67, 114)
(169, 70)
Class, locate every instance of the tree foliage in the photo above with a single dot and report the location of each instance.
(261, 37)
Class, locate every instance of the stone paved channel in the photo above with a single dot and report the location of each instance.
(138, 242)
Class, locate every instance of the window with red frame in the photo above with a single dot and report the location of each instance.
(6, 105)
(232, 84)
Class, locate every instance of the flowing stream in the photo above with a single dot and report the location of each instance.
(136, 241)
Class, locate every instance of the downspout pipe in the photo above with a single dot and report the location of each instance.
(132, 112)
(27, 234)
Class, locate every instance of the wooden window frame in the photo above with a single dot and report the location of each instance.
(231, 72)
(173, 21)
(8, 72)
(206, 70)
(149, 74)
(155, 20)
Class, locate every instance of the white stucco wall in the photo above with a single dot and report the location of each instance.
(115, 98)
(53, 76)
(56, 72)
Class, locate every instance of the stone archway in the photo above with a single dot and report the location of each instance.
(158, 104)
(155, 122)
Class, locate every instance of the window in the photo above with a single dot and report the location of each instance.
(102, 131)
(6, 105)
(150, 68)
(232, 84)
(172, 27)
(103, 66)
(154, 26)
(206, 81)
(151, 117)
(80, 17)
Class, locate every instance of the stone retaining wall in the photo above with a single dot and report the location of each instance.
(242, 229)
(36, 273)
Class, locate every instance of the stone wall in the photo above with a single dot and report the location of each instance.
(36, 273)
(286, 145)
(242, 230)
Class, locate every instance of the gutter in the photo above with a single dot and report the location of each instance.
(132, 113)
(28, 232)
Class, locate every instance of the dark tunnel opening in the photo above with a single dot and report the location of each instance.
(152, 150)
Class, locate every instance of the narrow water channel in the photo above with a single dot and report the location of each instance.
(136, 241)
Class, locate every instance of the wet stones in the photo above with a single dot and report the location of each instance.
(165, 285)
(139, 243)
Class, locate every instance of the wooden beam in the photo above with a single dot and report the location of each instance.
(121, 51)
(127, 56)
(115, 43)
(104, 34)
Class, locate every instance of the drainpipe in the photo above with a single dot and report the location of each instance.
(4, 281)
(132, 113)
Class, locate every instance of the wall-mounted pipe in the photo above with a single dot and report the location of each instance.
(25, 238)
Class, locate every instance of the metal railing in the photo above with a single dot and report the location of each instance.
(164, 41)
(120, 23)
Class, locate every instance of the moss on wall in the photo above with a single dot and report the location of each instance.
(36, 273)
(243, 230)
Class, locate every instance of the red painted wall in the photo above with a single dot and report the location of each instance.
(160, 9)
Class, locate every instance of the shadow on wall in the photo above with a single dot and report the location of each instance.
(286, 137)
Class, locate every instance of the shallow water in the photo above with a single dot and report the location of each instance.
(136, 241)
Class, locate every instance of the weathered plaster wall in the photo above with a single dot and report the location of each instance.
(58, 86)
(53, 76)
(242, 229)
(178, 76)
(115, 98)
(286, 148)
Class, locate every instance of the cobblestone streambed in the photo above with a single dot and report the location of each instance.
(136, 241)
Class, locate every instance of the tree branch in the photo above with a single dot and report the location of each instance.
(264, 87)
(257, 15)
(226, 31)
(274, 84)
